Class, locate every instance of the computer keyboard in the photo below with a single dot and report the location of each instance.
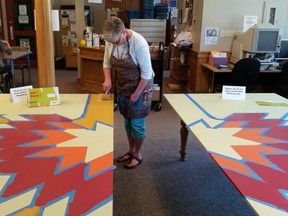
(264, 61)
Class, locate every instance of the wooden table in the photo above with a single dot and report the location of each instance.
(248, 141)
(15, 56)
(57, 160)
(213, 71)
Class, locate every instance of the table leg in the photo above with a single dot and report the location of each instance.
(212, 83)
(184, 136)
(13, 72)
(28, 68)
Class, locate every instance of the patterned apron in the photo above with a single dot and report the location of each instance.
(127, 79)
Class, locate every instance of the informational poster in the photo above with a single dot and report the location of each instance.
(25, 42)
(64, 18)
(22, 10)
(65, 40)
(211, 35)
(23, 19)
(249, 21)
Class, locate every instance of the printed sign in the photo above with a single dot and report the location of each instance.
(20, 94)
(233, 92)
(43, 97)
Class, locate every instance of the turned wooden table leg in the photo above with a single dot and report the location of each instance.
(184, 136)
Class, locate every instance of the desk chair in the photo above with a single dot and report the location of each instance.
(6, 79)
(246, 73)
(281, 86)
(22, 66)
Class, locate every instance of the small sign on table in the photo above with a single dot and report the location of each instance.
(20, 94)
(43, 97)
(233, 92)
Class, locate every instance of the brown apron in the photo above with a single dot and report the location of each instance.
(127, 79)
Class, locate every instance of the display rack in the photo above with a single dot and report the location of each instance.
(68, 32)
(158, 67)
(179, 67)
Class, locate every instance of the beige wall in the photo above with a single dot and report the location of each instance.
(228, 15)
(221, 14)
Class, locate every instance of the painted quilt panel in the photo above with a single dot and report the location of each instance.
(52, 164)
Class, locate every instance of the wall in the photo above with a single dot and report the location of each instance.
(227, 15)
(195, 28)
(99, 17)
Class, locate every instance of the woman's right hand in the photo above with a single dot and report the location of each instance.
(6, 43)
(107, 86)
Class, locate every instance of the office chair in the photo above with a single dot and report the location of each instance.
(281, 85)
(245, 73)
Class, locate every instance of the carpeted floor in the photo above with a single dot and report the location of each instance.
(163, 185)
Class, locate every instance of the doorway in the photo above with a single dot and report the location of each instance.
(21, 26)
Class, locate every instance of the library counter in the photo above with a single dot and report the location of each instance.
(91, 64)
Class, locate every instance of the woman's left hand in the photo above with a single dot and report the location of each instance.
(134, 97)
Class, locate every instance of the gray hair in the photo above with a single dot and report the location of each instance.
(113, 28)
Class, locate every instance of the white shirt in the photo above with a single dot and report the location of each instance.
(139, 51)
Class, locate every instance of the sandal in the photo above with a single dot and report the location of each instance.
(128, 166)
(125, 157)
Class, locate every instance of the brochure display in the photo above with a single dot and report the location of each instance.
(43, 97)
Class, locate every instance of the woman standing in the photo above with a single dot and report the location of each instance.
(128, 52)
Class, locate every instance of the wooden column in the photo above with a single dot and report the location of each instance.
(79, 7)
(45, 43)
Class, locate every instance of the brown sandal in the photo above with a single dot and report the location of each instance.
(128, 166)
(125, 157)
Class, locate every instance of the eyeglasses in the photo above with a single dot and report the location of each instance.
(118, 41)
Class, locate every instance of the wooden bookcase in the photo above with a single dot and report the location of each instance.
(179, 71)
(69, 34)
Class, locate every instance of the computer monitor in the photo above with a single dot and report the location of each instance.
(259, 39)
(283, 51)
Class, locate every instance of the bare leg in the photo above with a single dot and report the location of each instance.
(137, 143)
(131, 144)
(127, 156)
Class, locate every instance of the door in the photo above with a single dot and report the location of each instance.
(21, 27)
(1, 23)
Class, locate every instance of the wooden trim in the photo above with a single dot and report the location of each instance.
(123, 5)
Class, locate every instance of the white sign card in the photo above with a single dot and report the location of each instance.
(249, 21)
(20, 94)
(55, 20)
(233, 92)
(95, 1)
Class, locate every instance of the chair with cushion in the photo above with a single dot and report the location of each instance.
(245, 73)
(281, 85)
(22, 66)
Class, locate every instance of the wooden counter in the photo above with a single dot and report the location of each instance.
(91, 64)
